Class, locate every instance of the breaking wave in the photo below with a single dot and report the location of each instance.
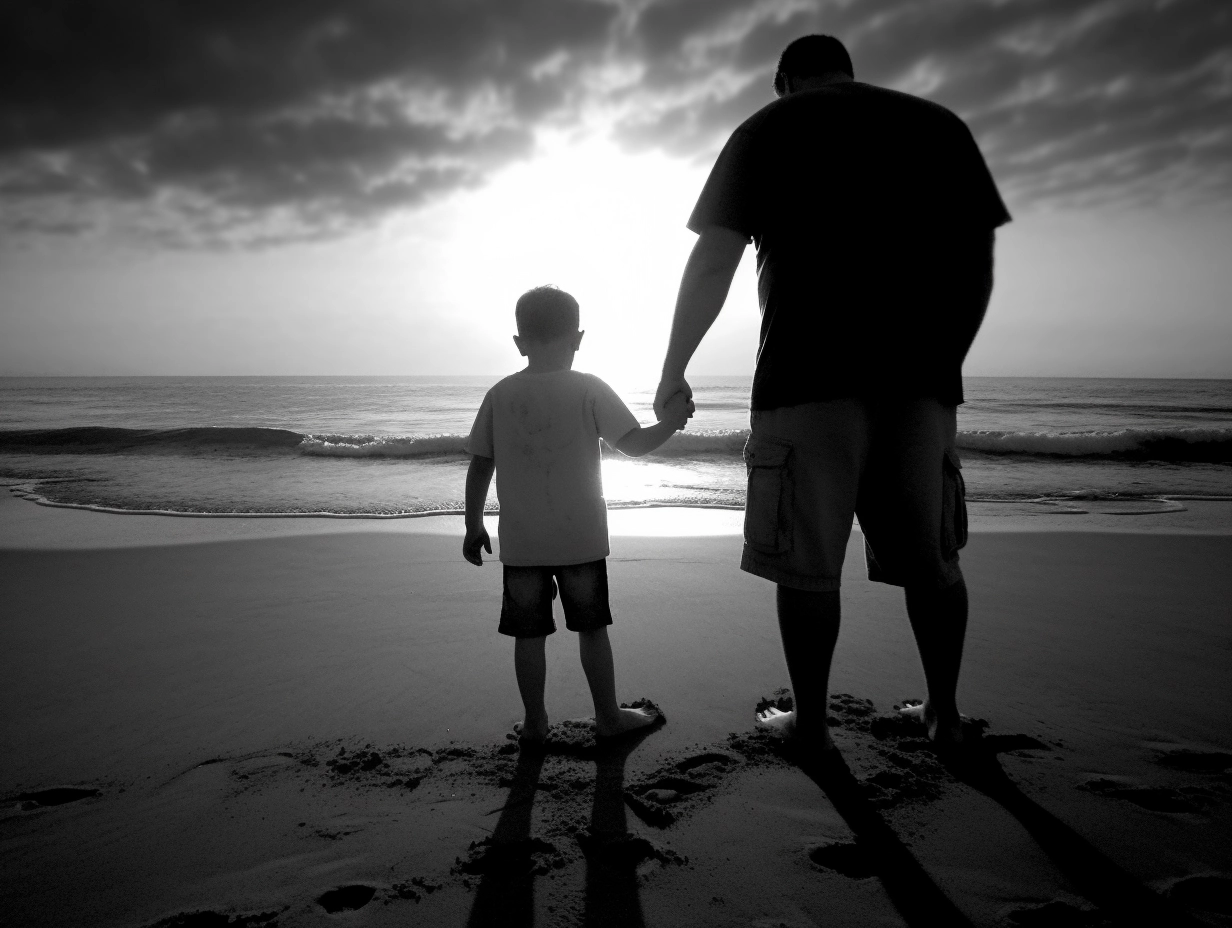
(1182, 444)
(1205, 445)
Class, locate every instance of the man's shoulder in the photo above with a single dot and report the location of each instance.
(849, 97)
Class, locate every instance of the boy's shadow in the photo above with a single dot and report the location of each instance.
(612, 854)
(506, 892)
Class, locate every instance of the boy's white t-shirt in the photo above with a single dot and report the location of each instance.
(543, 431)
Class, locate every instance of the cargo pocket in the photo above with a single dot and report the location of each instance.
(953, 506)
(767, 508)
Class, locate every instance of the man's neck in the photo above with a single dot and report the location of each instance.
(817, 81)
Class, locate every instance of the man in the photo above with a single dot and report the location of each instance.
(873, 215)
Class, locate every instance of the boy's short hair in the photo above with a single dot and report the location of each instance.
(545, 313)
(811, 56)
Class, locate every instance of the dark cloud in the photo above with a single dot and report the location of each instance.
(307, 107)
(305, 117)
(1073, 101)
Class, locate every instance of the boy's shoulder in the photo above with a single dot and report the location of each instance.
(524, 382)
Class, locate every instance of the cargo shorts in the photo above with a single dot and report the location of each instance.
(890, 463)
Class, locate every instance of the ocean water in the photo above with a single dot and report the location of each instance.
(392, 446)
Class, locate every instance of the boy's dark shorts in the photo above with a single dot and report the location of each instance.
(526, 605)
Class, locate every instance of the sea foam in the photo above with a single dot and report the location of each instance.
(1209, 445)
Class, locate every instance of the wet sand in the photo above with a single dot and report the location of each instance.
(273, 719)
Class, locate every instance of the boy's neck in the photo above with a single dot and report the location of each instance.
(546, 357)
(548, 362)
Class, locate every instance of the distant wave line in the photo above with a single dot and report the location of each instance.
(1181, 444)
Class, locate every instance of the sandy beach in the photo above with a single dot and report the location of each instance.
(301, 721)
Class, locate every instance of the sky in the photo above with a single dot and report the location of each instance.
(366, 186)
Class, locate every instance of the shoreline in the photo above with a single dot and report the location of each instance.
(27, 524)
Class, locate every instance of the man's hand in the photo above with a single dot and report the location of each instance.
(668, 388)
(475, 539)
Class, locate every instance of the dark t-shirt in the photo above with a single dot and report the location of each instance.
(856, 198)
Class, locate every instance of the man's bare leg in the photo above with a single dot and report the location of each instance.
(939, 620)
(610, 719)
(808, 624)
(531, 666)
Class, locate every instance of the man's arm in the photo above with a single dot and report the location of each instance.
(478, 479)
(703, 290)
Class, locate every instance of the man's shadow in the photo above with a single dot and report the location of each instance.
(914, 893)
(506, 892)
(918, 899)
(1116, 891)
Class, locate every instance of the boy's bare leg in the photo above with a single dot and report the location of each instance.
(939, 620)
(531, 666)
(610, 719)
(808, 623)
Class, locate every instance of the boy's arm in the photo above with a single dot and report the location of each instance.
(646, 439)
(478, 479)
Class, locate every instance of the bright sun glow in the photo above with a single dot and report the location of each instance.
(605, 225)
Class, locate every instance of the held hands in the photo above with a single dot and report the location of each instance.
(677, 411)
(668, 388)
(476, 538)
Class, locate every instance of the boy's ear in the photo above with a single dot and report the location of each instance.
(577, 341)
(517, 340)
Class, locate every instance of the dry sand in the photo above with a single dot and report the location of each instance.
(272, 719)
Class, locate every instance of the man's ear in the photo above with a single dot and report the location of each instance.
(517, 340)
(577, 342)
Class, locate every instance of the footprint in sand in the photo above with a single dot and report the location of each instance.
(346, 898)
(56, 796)
(1206, 892)
(1195, 761)
(844, 857)
(660, 797)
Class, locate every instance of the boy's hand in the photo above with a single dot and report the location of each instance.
(476, 539)
(678, 410)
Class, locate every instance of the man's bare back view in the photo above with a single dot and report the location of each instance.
(873, 216)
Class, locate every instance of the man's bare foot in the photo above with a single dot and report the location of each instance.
(627, 720)
(785, 722)
(532, 731)
(947, 733)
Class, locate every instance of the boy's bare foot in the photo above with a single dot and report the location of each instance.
(627, 720)
(785, 721)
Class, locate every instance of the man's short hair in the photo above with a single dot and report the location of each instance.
(811, 56)
(545, 313)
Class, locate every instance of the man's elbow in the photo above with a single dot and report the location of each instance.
(718, 251)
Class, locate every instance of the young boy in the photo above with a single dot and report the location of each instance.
(539, 429)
